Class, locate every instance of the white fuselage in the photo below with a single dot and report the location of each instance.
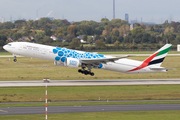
(46, 52)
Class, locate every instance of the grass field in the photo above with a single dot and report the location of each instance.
(33, 69)
(5, 53)
(134, 115)
(85, 93)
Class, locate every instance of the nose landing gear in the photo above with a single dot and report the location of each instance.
(15, 59)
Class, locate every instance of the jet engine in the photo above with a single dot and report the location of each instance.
(72, 62)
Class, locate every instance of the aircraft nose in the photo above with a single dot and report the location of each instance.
(5, 47)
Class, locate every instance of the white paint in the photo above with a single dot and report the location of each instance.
(45, 52)
(178, 48)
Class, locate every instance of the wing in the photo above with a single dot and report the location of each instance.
(96, 62)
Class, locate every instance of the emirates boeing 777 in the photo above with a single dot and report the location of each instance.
(74, 58)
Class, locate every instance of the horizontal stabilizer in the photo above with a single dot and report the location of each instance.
(162, 68)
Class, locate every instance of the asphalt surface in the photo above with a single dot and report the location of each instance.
(92, 108)
(90, 82)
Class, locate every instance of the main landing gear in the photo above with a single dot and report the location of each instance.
(86, 72)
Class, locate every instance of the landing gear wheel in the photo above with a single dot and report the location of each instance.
(92, 74)
(85, 72)
(15, 60)
(80, 71)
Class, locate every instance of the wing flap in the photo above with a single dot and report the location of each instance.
(103, 60)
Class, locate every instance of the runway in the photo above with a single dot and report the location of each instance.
(91, 108)
(90, 82)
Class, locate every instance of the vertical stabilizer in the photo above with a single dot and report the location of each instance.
(156, 58)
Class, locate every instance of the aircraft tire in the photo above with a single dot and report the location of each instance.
(85, 72)
(92, 74)
(80, 71)
(15, 60)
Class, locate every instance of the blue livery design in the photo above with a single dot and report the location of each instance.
(100, 66)
(74, 63)
(62, 53)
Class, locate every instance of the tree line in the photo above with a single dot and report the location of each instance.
(106, 34)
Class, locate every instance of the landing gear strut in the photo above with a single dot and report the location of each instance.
(15, 59)
(86, 72)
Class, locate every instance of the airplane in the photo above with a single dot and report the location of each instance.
(85, 60)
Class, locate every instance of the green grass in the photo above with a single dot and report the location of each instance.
(132, 115)
(90, 93)
(26, 69)
(5, 53)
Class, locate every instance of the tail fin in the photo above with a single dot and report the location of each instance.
(156, 58)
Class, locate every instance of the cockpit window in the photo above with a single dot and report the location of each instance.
(9, 44)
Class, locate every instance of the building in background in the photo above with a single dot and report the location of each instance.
(133, 21)
(2, 19)
(178, 48)
(113, 9)
(127, 18)
(131, 27)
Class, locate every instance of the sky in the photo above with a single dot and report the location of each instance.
(77, 10)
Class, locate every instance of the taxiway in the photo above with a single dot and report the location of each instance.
(90, 82)
(91, 108)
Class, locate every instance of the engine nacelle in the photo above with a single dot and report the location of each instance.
(72, 62)
(58, 63)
